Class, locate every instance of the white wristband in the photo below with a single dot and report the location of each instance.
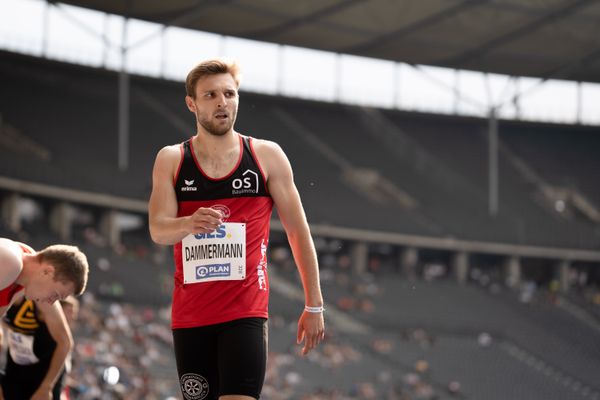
(315, 310)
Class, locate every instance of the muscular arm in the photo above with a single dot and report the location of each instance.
(61, 333)
(285, 195)
(11, 262)
(165, 226)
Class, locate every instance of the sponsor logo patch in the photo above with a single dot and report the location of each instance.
(213, 270)
(188, 186)
(247, 184)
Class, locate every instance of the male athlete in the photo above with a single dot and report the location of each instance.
(51, 274)
(45, 276)
(39, 341)
(212, 198)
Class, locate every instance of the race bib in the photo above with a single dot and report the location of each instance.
(216, 256)
(20, 347)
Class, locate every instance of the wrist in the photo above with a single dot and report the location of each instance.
(185, 224)
(314, 310)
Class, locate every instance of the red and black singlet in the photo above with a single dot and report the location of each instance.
(242, 197)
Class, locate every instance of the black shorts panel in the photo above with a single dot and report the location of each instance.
(222, 359)
(21, 381)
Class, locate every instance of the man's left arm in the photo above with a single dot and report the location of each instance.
(55, 320)
(285, 195)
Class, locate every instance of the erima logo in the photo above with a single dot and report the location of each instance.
(213, 270)
(247, 184)
(188, 186)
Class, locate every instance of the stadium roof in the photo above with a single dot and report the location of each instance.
(540, 38)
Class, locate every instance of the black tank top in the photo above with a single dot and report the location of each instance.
(23, 319)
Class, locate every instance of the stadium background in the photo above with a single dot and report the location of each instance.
(459, 254)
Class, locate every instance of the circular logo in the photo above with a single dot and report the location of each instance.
(202, 271)
(193, 386)
(225, 211)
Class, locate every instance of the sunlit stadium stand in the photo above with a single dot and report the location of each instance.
(390, 335)
(433, 183)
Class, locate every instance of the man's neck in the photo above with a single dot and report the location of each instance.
(211, 146)
(217, 155)
(29, 261)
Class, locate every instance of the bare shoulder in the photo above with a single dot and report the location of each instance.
(11, 261)
(49, 310)
(273, 160)
(167, 160)
(264, 145)
(268, 151)
(169, 153)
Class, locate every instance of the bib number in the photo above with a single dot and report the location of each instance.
(216, 256)
(20, 347)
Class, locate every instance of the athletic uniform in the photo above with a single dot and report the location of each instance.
(7, 294)
(30, 350)
(221, 294)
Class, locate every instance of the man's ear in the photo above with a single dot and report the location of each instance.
(189, 102)
(48, 269)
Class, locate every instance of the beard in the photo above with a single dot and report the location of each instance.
(217, 129)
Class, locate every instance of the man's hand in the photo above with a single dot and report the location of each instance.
(311, 329)
(204, 220)
(42, 393)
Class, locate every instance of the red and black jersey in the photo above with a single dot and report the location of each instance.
(242, 197)
(7, 294)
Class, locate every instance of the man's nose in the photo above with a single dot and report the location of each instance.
(222, 101)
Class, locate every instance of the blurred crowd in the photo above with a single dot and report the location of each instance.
(121, 352)
(124, 350)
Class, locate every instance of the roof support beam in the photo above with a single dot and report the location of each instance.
(267, 34)
(507, 37)
(565, 71)
(184, 16)
(415, 26)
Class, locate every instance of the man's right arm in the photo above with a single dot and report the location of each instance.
(165, 226)
(10, 262)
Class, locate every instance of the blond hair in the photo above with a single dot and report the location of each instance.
(211, 67)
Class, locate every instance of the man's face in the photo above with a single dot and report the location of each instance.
(216, 103)
(43, 287)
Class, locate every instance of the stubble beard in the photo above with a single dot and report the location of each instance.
(214, 129)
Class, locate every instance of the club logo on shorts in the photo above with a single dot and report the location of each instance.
(193, 386)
